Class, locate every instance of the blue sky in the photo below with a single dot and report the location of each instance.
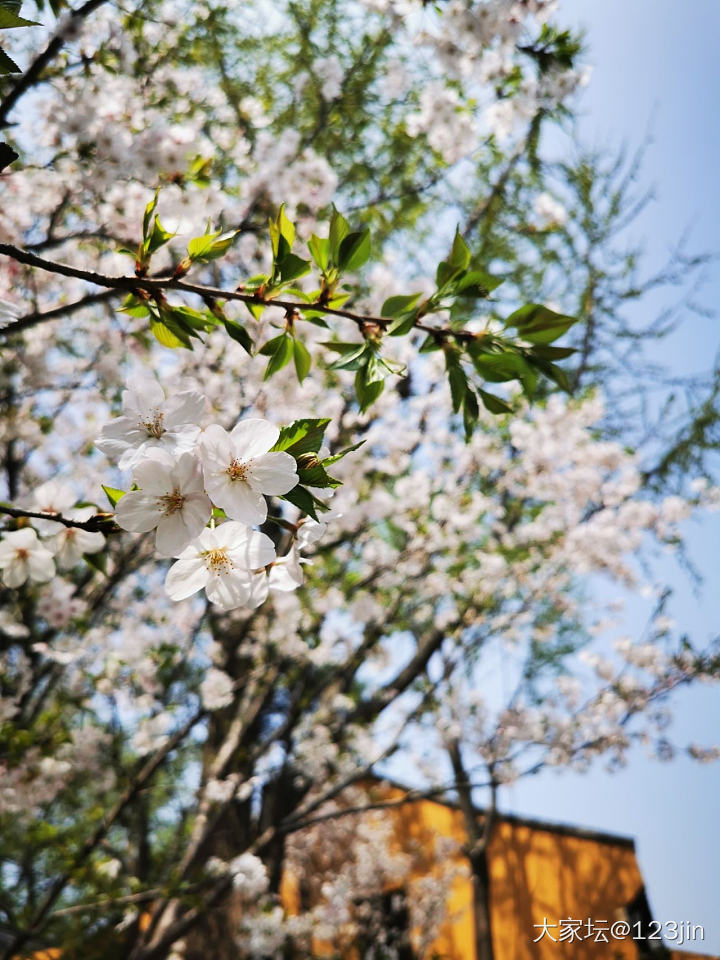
(656, 67)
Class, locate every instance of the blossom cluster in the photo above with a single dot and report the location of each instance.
(183, 476)
(25, 556)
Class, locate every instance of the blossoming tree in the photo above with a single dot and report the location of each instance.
(280, 485)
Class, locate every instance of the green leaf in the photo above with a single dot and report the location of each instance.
(429, 344)
(291, 267)
(373, 370)
(401, 325)
(547, 352)
(319, 248)
(190, 321)
(269, 348)
(302, 436)
(539, 324)
(7, 65)
(305, 501)
(328, 461)
(149, 211)
(494, 404)
(280, 356)
(159, 236)
(459, 258)
(9, 20)
(302, 359)
(354, 250)
(351, 359)
(339, 229)
(134, 307)
(98, 561)
(458, 261)
(470, 412)
(343, 348)
(367, 393)
(256, 309)
(502, 367)
(282, 235)
(552, 371)
(167, 337)
(113, 495)
(313, 474)
(210, 246)
(8, 156)
(239, 334)
(477, 283)
(396, 306)
(458, 386)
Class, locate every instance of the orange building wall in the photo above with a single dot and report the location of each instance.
(537, 873)
(534, 873)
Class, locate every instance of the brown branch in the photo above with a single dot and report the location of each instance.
(157, 284)
(100, 523)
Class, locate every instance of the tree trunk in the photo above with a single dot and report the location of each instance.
(478, 840)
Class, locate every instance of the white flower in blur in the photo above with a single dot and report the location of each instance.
(219, 791)
(249, 875)
(222, 562)
(23, 557)
(151, 733)
(109, 868)
(550, 211)
(71, 543)
(216, 690)
(58, 604)
(52, 497)
(329, 72)
(239, 469)
(150, 421)
(172, 501)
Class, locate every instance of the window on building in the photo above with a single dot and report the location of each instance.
(384, 921)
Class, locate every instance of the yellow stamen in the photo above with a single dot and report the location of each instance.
(238, 469)
(217, 561)
(171, 503)
(155, 426)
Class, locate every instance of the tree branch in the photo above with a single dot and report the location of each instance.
(101, 522)
(156, 284)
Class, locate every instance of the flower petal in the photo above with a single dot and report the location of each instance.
(154, 472)
(252, 437)
(138, 512)
(186, 577)
(241, 502)
(15, 574)
(185, 407)
(143, 394)
(273, 473)
(172, 536)
(41, 565)
(229, 590)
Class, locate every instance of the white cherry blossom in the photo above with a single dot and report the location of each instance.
(53, 496)
(239, 469)
(70, 543)
(23, 557)
(216, 689)
(171, 501)
(222, 562)
(150, 421)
